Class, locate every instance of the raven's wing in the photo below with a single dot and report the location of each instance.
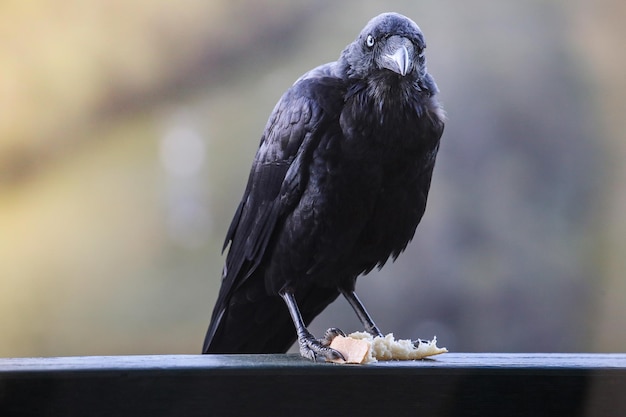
(277, 179)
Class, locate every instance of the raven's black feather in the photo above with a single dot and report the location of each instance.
(338, 185)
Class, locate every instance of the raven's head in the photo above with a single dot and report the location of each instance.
(391, 46)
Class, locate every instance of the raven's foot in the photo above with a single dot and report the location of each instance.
(374, 331)
(417, 342)
(312, 348)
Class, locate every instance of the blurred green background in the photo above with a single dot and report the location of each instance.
(127, 130)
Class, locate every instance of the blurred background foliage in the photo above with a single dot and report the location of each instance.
(127, 130)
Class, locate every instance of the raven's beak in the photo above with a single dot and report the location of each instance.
(399, 61)
(398, 57)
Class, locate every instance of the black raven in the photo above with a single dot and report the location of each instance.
(338, 185)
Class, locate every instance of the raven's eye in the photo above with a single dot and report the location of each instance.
(370, 41)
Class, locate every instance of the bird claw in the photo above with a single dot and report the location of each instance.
(330, 334)
(374, 332)
(312, 348)
(417, 342)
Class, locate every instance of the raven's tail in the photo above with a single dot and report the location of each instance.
(251, 321)
(244, 326)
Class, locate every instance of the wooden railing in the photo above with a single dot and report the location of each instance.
(452, 384)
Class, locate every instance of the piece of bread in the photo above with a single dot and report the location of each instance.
(361, 347)
(353, 350)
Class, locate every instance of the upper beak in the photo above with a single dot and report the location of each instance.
(398, 57)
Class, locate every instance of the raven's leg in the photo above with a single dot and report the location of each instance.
(310, 347)
(360, 311)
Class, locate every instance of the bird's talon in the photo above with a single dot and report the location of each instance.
(375, 332)
(330, 334)
(332, 354)
(308, 353)
(335, 354)
(312, 348)
(417, 342)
